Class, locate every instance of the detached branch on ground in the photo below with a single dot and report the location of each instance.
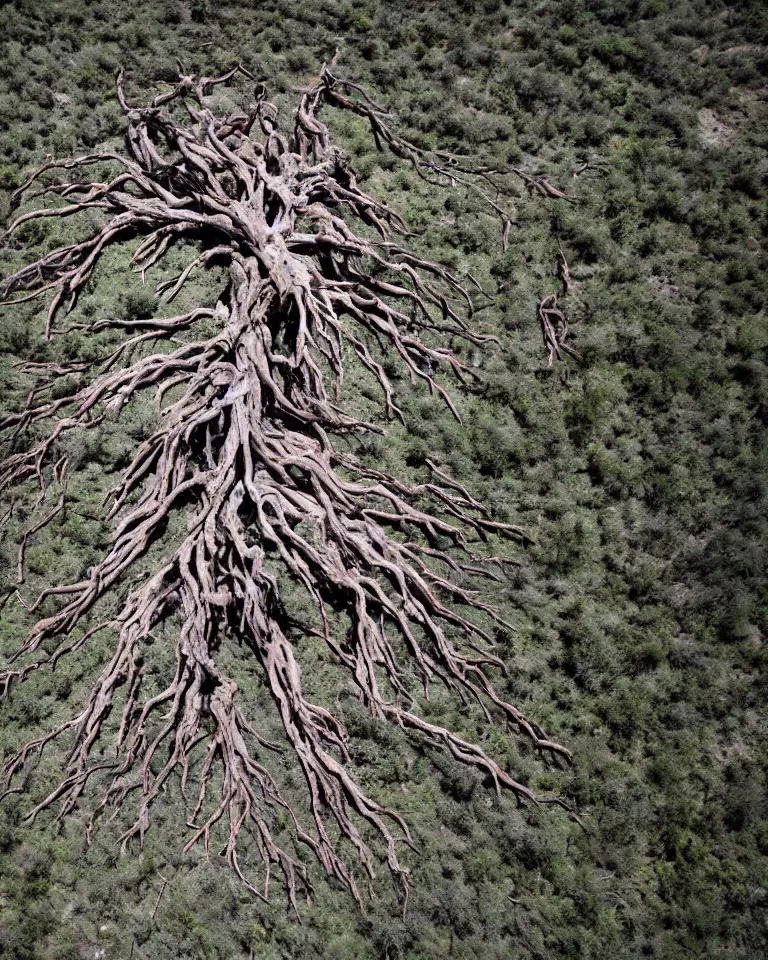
(553, 317)
(247, 447)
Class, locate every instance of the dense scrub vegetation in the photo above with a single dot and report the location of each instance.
(641, 610)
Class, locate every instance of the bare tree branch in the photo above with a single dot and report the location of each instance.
(246, 436)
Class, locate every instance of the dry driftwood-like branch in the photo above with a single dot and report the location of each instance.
(246, 446)
(553, 317)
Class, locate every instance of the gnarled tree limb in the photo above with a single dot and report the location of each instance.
(246, 446)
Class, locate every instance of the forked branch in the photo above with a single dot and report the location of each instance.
(247, 447)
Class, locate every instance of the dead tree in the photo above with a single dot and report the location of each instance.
(247, 446)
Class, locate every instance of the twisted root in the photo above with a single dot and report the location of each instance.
(246, 447)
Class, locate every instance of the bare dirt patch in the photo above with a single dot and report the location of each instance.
(713, 132)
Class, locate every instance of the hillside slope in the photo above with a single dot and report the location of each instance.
(641, 611)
